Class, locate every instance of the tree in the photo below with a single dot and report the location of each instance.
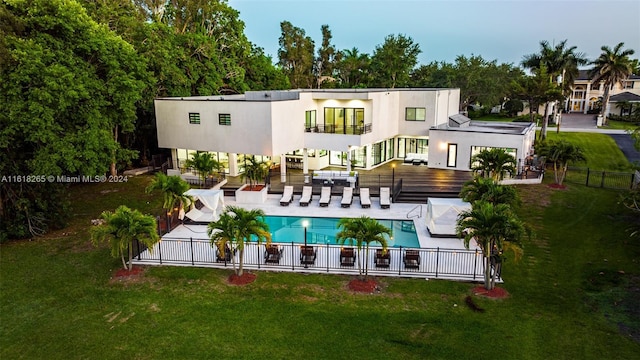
(235, 227)
(254, 171)
(559, 60)
(353, 68)
(296, 56)
(172, 189)
(612, 67)
(536, 90)
(326, 61)
(260, 74)
(393, 61)
(631, 201)
(561, 153)
(363, 231)
(204, 164)
(121, 228)
(494, 228)
(487, 189)
(493, 163)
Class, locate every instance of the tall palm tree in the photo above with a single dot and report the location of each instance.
(494, 228)
(493, 163)
(363, 231)
(353, 68)
(172, 189)
(235, 227)
(611, 67)
(559, 60)
(121, 228)
(561, 153)
(205, 165)
(488, 190)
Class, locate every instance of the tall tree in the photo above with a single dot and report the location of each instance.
(173, 190)
(362, 231)
(393, 61)
(494, 228)
(121, 228)
(560, 153)
(235, 227)
(612, 67)
(296, 55)
(353, 68)
(326, 62)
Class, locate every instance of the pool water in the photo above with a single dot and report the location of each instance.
(287, 229)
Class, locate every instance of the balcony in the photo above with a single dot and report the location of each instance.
(336, 129)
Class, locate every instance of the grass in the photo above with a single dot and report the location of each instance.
(601, 150)
(570, 297)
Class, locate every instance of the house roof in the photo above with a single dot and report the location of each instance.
(584, 75)
(625, 96)
(512, 128)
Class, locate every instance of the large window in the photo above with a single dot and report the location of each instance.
(477, 149)
(194, 118)
(415, 114)
(452, 155)
(412, 146)
(358, 157)
(382, 151)
(344, 121)
(310, 121)
(224, 119)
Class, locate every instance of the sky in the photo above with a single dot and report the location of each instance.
(502, 30)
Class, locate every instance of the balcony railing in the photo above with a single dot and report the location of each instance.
(333, 129)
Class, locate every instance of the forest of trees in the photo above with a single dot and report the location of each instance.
(78, 79)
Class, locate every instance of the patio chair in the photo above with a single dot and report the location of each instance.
(287, 196)
(307, 255)
(383, 258)
(307, 195)
(347, 197)
(385, 198)
(272, 254)
(325, 196)
(227, 254)
(347, 257)
(411, 259)
(365, 200)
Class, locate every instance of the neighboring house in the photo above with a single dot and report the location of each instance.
(314, 129)
(587, 96)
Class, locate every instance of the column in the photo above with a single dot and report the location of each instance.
(283, 168)
(586, 98)
(348, 158)
(305, 165)
(233, 164)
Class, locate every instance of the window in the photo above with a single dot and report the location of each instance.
(224, 119)
(345, 121)
(415, 114)
(628, 85)
(194, 118)
(452, 154)
(310, 120)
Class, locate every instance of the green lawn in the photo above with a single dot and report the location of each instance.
(571, 298)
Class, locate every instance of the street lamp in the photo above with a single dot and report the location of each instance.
(305, 224)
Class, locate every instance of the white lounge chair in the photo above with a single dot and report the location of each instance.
(347, 197)
(325, 196)
(365, 200)
(385, 198)
(287, 196)
(305, 199)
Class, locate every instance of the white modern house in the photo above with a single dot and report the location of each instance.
(312, 129)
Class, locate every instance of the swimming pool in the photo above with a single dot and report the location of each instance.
(287, 229)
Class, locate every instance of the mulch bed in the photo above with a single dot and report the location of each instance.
(123, 273)
(246, 278)
(495, 293)
(557, 186)
(369, 286)
(253, 188)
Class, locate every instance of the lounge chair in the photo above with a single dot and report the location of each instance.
(365, 200)
(287, 196)
(272, 254)
(383, 258)
(307, 195)
(347, 197)
(325, 196)
(385, 198)
(347, 257)
(227, 254)
(307, 255)
(411, 259)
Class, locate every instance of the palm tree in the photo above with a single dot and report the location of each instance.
(235, 227)
(173, 189)
(204, 163)
(559, 60)
(363, 231)
(490, 191)
(561, 153)
(494, 228)
(254, 171)
(121, 228)
(611, 67)
(493, 163)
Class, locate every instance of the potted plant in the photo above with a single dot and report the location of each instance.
(254, 172)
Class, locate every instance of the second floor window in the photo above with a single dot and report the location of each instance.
(415, 114)
(194, 118)
(224, 119)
